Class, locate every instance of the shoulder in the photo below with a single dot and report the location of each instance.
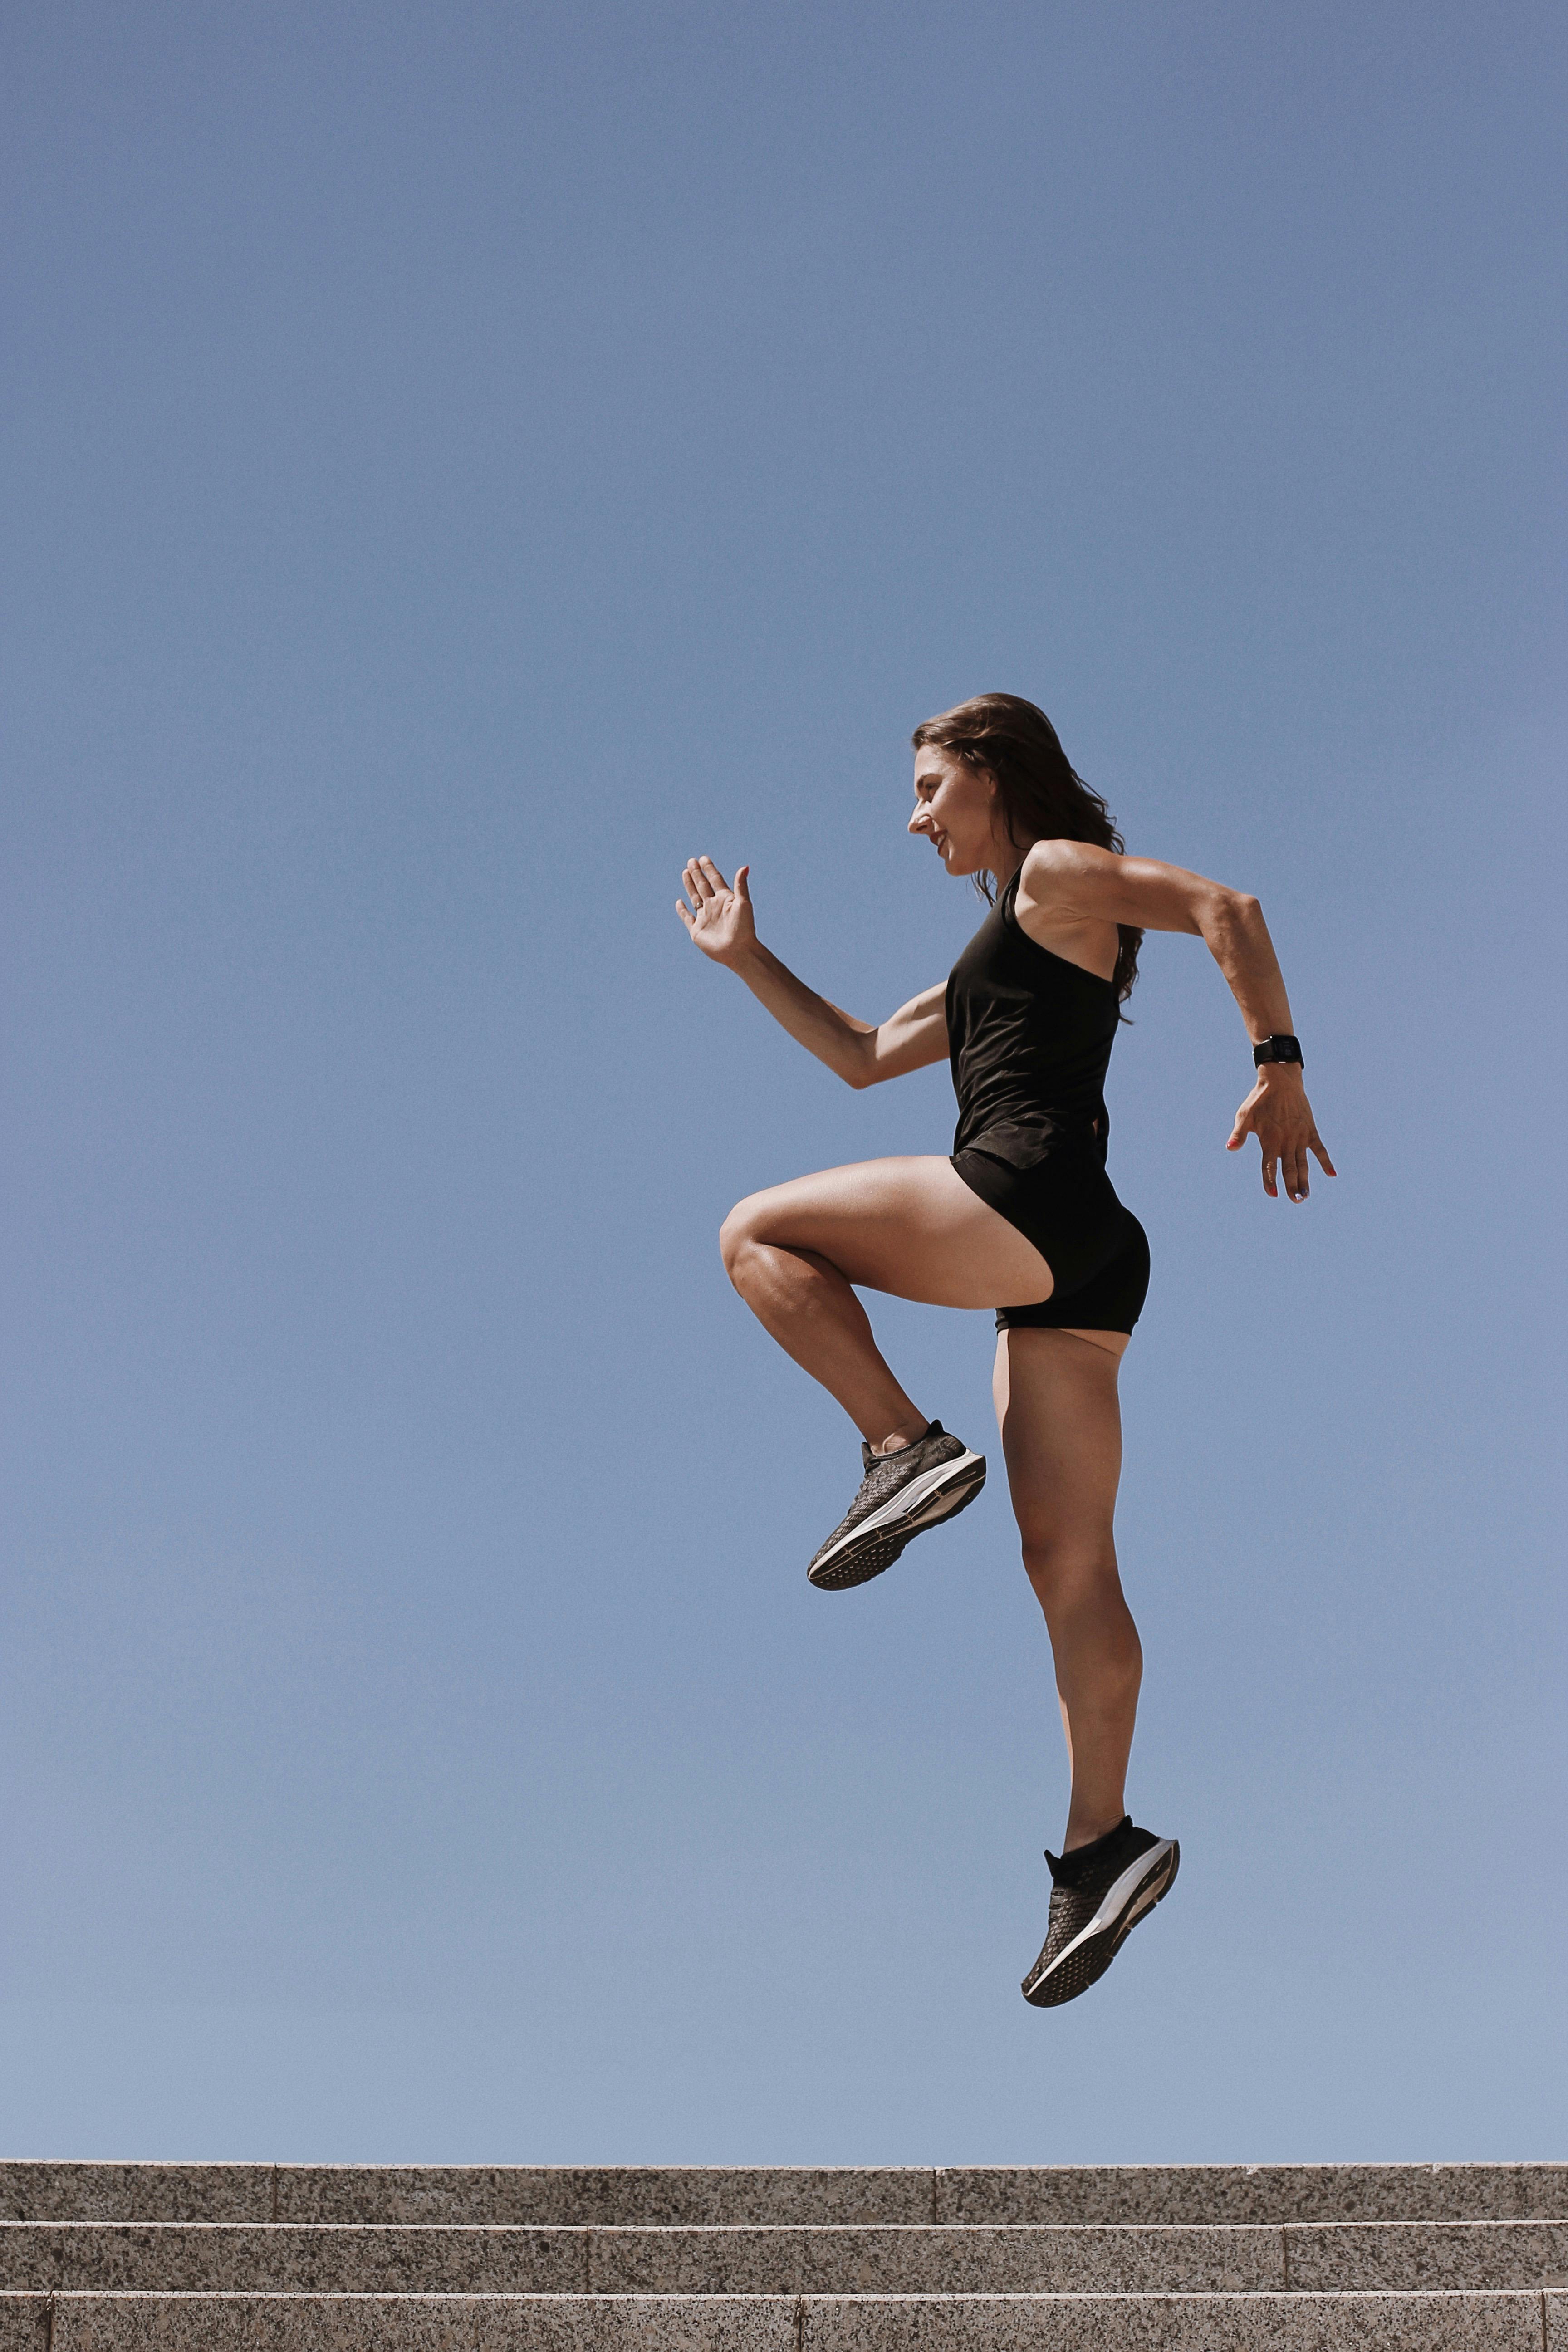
(1054, 872)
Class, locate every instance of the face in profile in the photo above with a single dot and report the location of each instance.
(956, 809)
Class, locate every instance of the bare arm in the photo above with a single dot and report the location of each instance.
(1066, 884)
(720, 921)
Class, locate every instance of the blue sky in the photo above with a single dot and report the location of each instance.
(460, 462)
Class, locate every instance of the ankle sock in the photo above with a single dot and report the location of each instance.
(1071, 1869)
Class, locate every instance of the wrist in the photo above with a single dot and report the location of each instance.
(1278, 1050)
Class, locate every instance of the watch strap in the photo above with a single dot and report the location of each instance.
(1278, 1049)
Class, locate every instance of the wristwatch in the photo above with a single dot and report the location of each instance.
(1278, 1049)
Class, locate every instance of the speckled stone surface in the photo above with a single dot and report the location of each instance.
(1503, 2321)
(1269, 2323)
(241, 2323)
(524, 2195)
(136, 2192)
(398, 2258)
(1220, 2192)
(1432, 2254)
(644, 2323)
(260, 2322)
(627, 2194)
(975, 2259)
(24, 2323)
(182, 2257)
(836, 2260)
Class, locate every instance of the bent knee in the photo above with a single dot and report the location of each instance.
(739, 1234)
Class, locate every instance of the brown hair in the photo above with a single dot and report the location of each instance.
(1043, 796)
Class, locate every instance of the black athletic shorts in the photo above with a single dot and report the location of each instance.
(1065, 1204)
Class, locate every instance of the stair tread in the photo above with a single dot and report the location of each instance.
(671, 2195)
(1470, 2321)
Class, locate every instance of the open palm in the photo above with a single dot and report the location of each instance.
(718, 918)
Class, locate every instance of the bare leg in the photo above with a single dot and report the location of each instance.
(911, 1227)
(815, 1318)
(1060, 1420)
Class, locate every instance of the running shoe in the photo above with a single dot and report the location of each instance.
(1098, 1895)
(901, 1496)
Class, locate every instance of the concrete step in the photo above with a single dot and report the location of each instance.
(524, 2195)
(394, 2259)
(1496, 2322)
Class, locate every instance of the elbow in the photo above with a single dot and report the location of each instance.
(858, 1075)
(1234, 916)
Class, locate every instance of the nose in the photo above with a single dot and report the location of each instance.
(920, 821)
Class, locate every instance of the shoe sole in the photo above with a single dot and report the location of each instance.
(1085, 1960)
(936, 1496)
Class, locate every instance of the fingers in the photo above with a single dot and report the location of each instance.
(712, 877)
(697, 888)
(1295, 1170)
(1284, 1147)
(682, 910)
(743, 883)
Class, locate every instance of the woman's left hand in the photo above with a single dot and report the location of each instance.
(1278, 1113)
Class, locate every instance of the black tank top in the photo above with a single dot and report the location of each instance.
(1029, 1037)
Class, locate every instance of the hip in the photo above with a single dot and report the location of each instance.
(1066, 1204)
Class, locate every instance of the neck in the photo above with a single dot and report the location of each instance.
(1006, 861)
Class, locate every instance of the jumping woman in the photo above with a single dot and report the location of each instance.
(1022, 1217)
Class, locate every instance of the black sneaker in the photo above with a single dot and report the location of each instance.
(900, 1494)
(1098, 1895)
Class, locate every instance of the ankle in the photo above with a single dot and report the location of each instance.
(1093, 1830)
(907, 1432)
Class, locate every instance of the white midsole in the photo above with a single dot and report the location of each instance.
(1116, 1900)
(899, 1505)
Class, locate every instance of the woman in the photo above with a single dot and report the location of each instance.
(1022, 1218)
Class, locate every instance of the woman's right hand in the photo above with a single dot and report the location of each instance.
(718, 919)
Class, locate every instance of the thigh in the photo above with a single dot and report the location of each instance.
(911, 1227)
(1060, 1419)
